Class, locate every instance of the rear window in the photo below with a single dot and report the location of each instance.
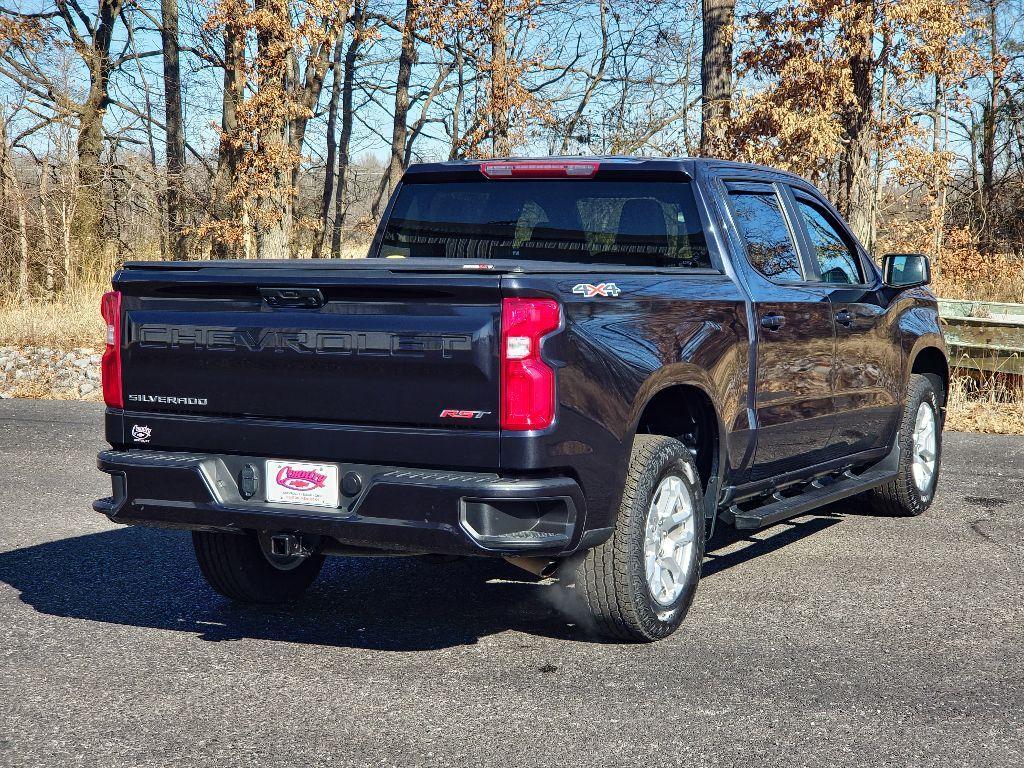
(642, 224)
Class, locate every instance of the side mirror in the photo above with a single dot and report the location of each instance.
(906, 270)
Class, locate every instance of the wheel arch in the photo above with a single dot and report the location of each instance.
(931, 361)
(687, 412)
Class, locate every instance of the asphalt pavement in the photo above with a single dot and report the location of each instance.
(837, 639)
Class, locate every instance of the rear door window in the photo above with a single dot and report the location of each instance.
(631, 223)
(766, 234)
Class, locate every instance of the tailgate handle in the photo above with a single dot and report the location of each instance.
(309, 298)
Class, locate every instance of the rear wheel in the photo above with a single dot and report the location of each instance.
(243, 567)
(639, 584)
(920, 440)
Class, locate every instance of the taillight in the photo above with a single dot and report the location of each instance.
(540, 169)
(110, 367)
(527, 382)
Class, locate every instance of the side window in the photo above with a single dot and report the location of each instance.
(763, 226)
(837, 261)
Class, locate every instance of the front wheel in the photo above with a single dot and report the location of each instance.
(244, 568)
(639, 584)
(920, 441)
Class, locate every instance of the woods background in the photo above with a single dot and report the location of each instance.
(276, 128)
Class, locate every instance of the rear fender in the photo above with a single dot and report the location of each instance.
(685, 375)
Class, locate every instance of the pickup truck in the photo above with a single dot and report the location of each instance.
(577, 364)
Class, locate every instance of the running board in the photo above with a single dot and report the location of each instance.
(817, 494)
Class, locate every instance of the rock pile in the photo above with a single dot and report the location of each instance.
(46, 372)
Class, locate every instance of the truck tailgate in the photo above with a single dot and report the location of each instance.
(359, 347)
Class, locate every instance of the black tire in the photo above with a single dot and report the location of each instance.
(235, 566)
(901, 496)
(611, 580)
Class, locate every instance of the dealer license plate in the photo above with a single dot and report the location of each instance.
(297, 482)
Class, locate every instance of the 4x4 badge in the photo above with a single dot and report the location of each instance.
(588, 291)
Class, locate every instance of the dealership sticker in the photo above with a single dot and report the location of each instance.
(294, 482)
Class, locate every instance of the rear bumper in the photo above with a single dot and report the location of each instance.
(393, 509)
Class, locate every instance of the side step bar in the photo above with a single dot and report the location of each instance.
(817, 494)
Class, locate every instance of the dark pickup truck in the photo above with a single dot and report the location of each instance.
(577, 364)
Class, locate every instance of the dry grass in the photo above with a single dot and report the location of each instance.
(70, 322)
(965, 273)
(1006, 287)
(991, 406)
(73, 319)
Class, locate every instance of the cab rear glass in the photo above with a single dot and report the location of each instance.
(628, 223)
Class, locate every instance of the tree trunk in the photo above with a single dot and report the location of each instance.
(175, 132)
(66, 212)
(989, 118)
(716, 74)
(273, 68)
(89, 210)
(938, 178)
(876, 151)
(44, 226)
(17, 194)
(855, 163)
(23, 261)
(11, 188)
(159, 187)
(460, 96)
(225, 208)
(308, 96)
(118, 208)
(347, 116)
(332, 148)
(399, 130)
(500, 102)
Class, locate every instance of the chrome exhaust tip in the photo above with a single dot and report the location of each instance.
(544, 567)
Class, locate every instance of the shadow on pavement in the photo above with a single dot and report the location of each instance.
(148, 578)
(766, 541)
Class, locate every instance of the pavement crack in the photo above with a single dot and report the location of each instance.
(988, 502)
(975, 526)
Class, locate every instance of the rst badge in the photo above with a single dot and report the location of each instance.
(451, 413)
(588, 291)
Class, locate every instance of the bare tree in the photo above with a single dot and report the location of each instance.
(359, 34)
(49, 282)
(330, 173)
(13, 191)
(497, 15)
(174, 129)
(28, 63)
(227, 211)
(400, 128)
(309, 88)
(995, 65)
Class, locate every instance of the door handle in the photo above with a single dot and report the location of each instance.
(844, 317)
(773, 322)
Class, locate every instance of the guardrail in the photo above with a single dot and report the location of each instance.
(984, 335)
